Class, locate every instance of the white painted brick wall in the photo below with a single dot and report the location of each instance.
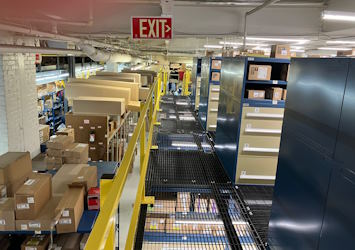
(19, 81)
(3, 119)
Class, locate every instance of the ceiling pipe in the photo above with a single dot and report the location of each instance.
(101, 56)
(250, 12)
(37, 33)
(4, 48)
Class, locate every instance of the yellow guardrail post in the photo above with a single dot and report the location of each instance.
(142, 140)
(105, 187)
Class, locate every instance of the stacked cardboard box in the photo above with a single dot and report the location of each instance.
(70, 208)
(32, 196)
(56, 146)
(15, 168)
(7, 214)
(36, 242)
(67, 131)
(76, 153)
(43, 133)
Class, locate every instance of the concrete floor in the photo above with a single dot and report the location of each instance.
(127, 201)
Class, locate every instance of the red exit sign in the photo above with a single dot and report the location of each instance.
(152, 27)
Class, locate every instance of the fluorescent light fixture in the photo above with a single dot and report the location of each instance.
(297, 47)
(297, 50)
(278, 39)
(207, 46)
(340, 42)
(339, 16)
(239, 44)
(332, 48)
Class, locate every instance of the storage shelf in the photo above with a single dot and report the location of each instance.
(263, 103)
(270, 82)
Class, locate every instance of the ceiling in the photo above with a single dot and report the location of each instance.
(196, 23)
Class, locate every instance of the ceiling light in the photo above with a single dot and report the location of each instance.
(338, 16)
(297, 50)
(332, 48)
(340, 42)
(239, 44)
(297, 47)
(278, 39)
(213, 46)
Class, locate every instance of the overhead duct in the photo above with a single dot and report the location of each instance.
(102, 56)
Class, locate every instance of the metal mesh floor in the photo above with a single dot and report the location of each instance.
(259, 200)
(194, 220)
(189, 169)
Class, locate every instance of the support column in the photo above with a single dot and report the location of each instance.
(18, 103)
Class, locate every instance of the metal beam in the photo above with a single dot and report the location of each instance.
(250, 12)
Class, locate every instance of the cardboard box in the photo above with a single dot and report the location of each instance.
(215, 76)
(68, 132)
(64, 177)
(53, 162)
(154, 224)
(15, 167)
(76, 153)
(59, 142)
(163, 207)
(212, 207)
(83, 241)
(3, 191)
(99, 105)
(256, 94)
(284, 94)
(274, 94)
(71, 208)
(143, 93)
(259, 72)
(183, 202)
(218, 230)
(32, 196)
(206, 228)
(45, 221)
(44, 131)
(68, 241)
(181, 228)
(7, 214)
(201, 205)
(87, 178)
(58, 153)
(216, 64)
(280, 51)
(36, 242)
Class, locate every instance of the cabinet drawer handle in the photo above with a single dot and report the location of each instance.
(257, 177)
(264, 115)
(260, 150)
(263, 131)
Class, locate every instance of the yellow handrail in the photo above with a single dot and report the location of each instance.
(101, 235)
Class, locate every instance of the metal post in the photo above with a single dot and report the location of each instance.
(71, 63)
(142, 141)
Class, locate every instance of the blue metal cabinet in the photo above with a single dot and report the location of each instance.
(314, 190)
(205, 77)
(229, 109)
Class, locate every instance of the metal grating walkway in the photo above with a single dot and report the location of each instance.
(196, 206)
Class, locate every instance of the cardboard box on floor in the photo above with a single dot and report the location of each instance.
(76, 153)
(45, 219)
(87, 178)
(54, 152)
(7, 214)
(36, 242)
(155, 223)
(32, 196)
(71, 208)
(99, 105)
(64, 177)
(59, 142)
(44, 132)
(53, 162)
(259, 72)
(68, 132)
(15, 168)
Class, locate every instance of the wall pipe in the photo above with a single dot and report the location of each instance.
(250, 12)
